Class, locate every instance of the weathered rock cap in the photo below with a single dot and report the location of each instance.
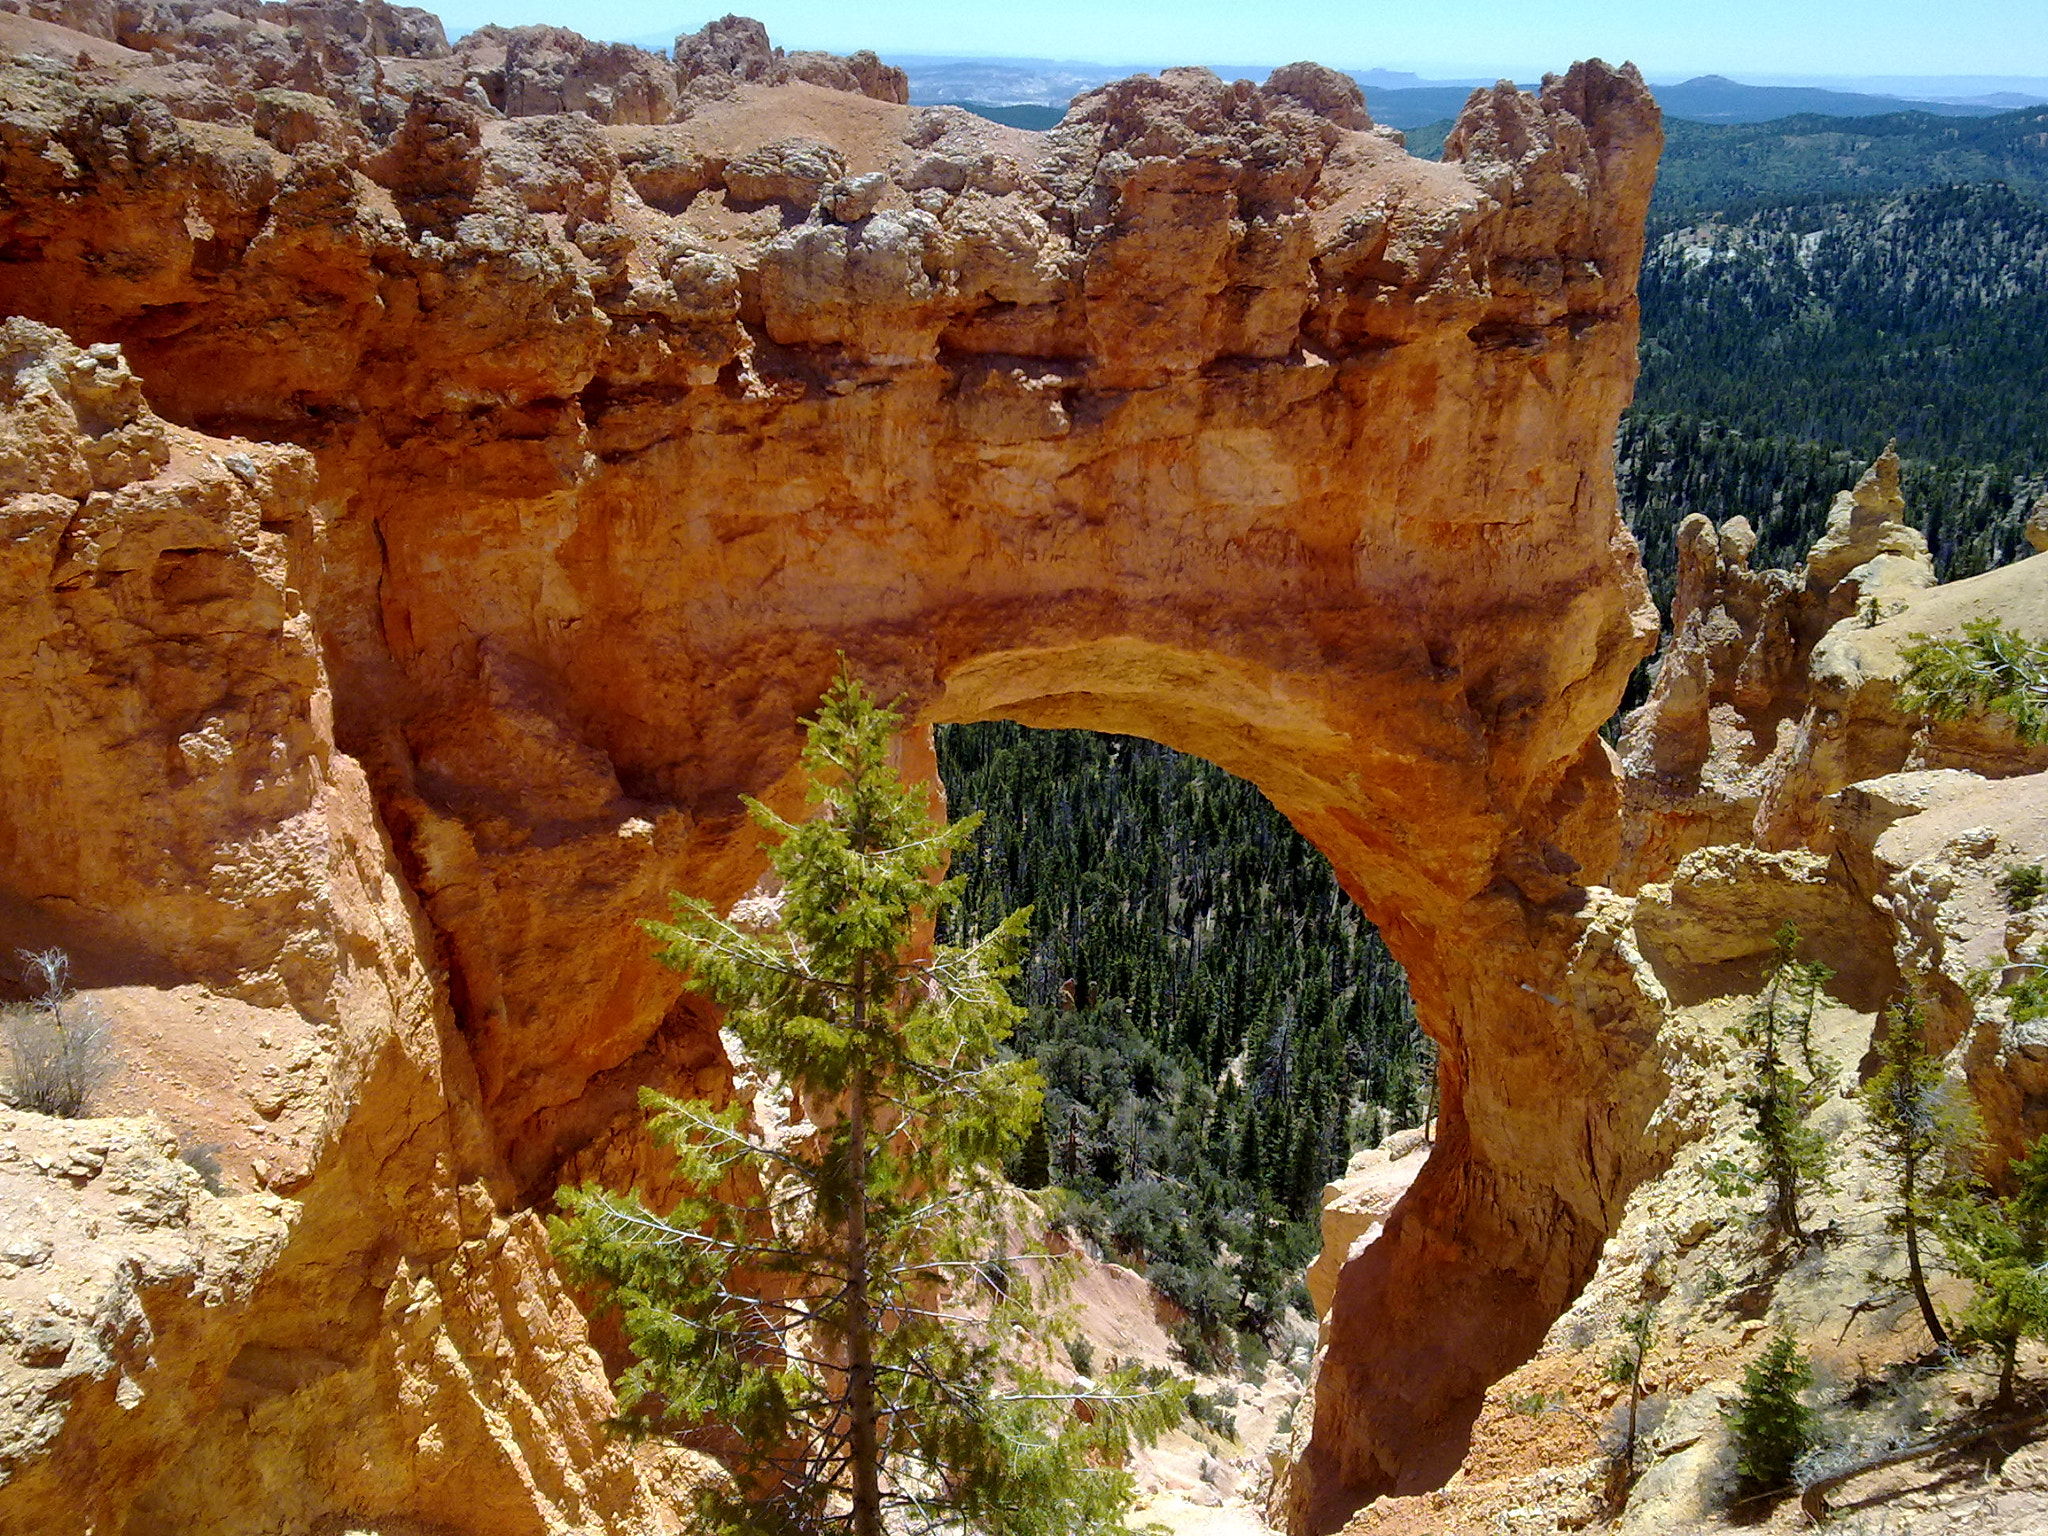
(1867, 527)
(737, 48)
(1324, 91)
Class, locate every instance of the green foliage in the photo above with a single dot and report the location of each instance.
(1792, 161)
(1081, 1354)
(2021, 885)
(1991, 668)
(1213, 1015)
(1783, 345)
(1771, 1425)
(59, 1045)
(1855, 320)
(844, 1304)
(2001, 1246)
(1213, 1413)
(1924, 1130)
(1625, 1369)
(1789, 1158)
(2029, 995)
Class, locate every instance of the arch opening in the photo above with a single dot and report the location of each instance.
(1219, 1025)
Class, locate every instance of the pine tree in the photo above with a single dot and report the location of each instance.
(1922, 1129)
(1625, 1369)
(842, 1302)
(2001, 1246)
(1772, 1427)
(1032, 1168)
(1790, 1157)
(1993, 668)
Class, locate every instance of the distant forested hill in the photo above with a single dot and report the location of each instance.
(1852, 320)
(1214, 1016)
(1736, 168)
(1739, 166)
(1783, 346)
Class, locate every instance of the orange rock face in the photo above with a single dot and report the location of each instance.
(1209, 416)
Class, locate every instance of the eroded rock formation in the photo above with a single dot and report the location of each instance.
(370, 1325)
(1906, 890)
(570, 455)
(1767, 704)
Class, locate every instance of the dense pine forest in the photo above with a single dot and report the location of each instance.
(1784, 346)
(1218, 1024)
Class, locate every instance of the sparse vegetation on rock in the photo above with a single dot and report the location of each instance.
(1790, 1158)
(2021, 885)
(2001, 1246)
(1625, 1369)
(59, 1045)
(1924, 1128)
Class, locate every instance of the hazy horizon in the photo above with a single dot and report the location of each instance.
(1825, 42)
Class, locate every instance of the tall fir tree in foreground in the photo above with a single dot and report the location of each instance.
(845, 1303)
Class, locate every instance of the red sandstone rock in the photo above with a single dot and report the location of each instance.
(537, 71)
(1206, 417)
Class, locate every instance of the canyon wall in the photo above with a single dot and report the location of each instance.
(459, 505)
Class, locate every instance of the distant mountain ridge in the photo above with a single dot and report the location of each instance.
(1717, 99)
(1735, 167)
(1405, 99)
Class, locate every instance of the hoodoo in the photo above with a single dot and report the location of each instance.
(424, 521)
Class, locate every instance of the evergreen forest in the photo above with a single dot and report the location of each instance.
(1217, 1022)
(1218, 1025)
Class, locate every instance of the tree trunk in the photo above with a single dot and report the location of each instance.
(1787, 1180)
(1635, 1397)
(1813, 1499)
(2007, 1367)
(1914, 1275)
(860, 1343)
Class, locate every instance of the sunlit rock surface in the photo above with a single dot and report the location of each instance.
(551, 462)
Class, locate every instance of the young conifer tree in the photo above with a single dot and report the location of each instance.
(1771, 1425)
(1923, 1130)
(2001, 1246)
(1625, 1369)
(1790, 1157)
(840, 1304)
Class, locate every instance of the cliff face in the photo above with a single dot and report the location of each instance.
(1896, 870)
(363, 1320)
(567, 455)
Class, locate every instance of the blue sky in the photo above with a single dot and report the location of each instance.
(1670, 39)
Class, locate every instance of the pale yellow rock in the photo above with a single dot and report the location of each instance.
(1356, 1204)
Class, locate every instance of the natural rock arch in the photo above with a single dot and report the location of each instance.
(1210, 417)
